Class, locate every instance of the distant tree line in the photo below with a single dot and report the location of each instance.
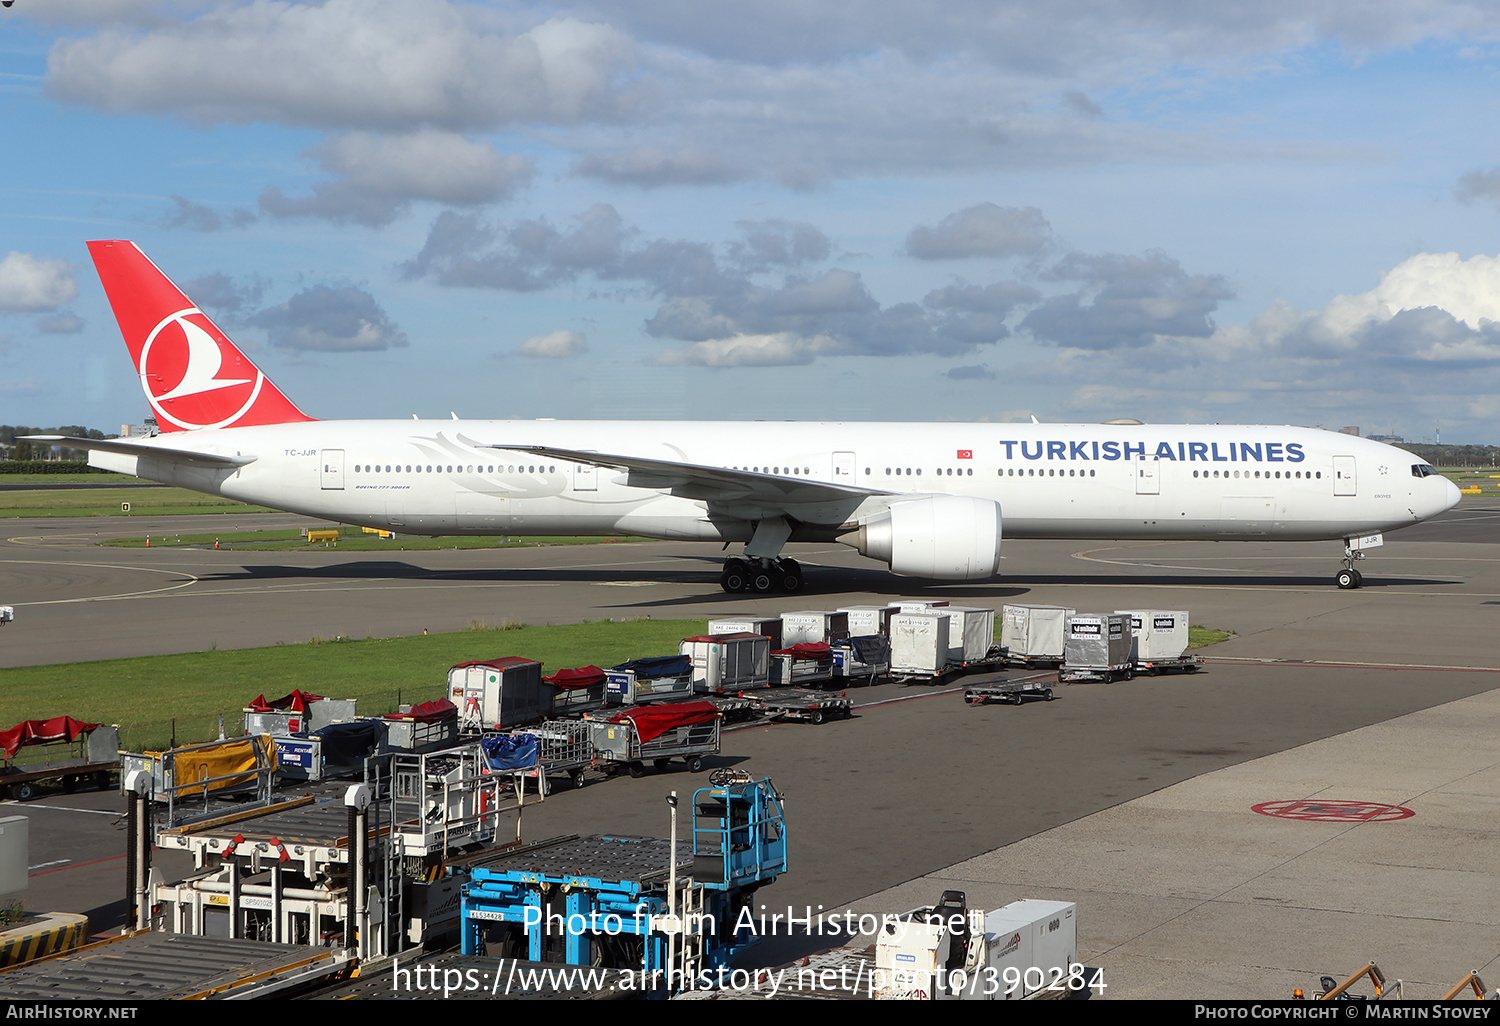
(1455, 455)
(24, 451)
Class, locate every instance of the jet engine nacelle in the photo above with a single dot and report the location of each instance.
(949, 537)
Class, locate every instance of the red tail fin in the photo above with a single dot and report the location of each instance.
(193, 375)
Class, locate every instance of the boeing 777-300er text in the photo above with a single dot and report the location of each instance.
(926, 499)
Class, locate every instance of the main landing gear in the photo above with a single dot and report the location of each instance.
(1350, 577)
(761, 575)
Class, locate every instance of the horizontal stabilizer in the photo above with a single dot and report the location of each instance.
(155, 452)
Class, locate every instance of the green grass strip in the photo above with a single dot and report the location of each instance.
(146, 694)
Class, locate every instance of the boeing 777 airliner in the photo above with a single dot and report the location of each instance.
(926, 499)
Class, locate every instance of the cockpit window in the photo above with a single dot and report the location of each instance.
(1422, 470)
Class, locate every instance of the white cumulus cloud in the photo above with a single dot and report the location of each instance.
(32, 284)
(555, 345)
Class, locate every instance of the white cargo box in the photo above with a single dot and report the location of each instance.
(770, 626)
(971, 633)
(1159, 633)
(1034, 632)
(911, 605)
(867, 620)
(729, 662)
(1036, 940)
(813, 625)
(920, 642)
(498, 694)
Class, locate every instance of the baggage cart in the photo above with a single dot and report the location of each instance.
(61, 749)
(337, 750)
(564, 748)
(862, 660)
(807, 664)
(422, 728)
(1181, 664)
(578, 690)
(296, 713)
(1013, 691)
(654, 679)
(803, 704)
(657, 734)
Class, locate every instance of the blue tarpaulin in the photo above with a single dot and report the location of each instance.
(658, 666)
(510, 751)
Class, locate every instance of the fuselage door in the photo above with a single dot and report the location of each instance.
(1343, 475)
(843, 468)
(333, 469)
(585, 477)
(1146, 480)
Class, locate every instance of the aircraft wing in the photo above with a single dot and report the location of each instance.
(710, 484)
(155, 452)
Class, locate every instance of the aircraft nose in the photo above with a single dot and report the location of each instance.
(1451, 495)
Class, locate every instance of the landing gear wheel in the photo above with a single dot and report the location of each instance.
(789, 580)
(1347, 579)
(761, 581)
(736, 576)
(1359, 579)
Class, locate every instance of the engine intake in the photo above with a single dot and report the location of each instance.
(947, 537)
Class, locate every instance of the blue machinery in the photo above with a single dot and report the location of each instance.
(633, 902)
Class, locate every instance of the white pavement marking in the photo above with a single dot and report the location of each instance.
(62, 808)
(105, 566)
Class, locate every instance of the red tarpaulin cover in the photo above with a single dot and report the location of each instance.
(582, 677)
(808, 650)
(296, 702)
(41, 732)
(427, 712)
(652, 721)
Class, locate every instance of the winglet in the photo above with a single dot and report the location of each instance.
(193, 375)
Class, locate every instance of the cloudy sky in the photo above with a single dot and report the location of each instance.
(1174, 210)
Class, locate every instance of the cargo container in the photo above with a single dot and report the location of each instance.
(769, 626)
(1097, 648)
(813, 625)
(971, 632)
(920, 643)
(1034, 635)
(867, 620)
(729, 662)
(498, 694)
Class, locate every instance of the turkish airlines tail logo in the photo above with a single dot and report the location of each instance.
(193, 376)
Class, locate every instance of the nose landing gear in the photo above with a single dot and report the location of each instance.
(1349, 577)
(761, 575)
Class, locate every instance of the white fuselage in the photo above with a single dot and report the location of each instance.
(1051, 480)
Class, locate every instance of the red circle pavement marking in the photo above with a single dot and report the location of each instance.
(1323, 811)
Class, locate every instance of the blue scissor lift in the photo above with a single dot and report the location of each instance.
(558, 900)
